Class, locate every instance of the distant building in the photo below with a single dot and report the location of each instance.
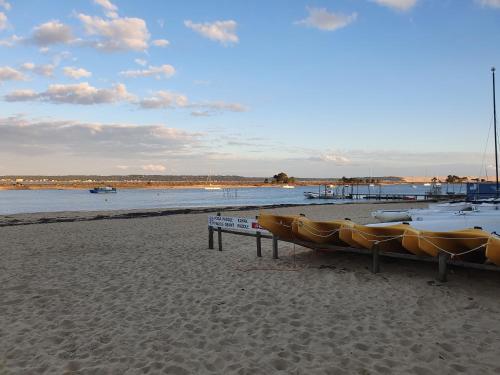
(481, 190)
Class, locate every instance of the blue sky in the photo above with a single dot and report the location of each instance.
(315, 88)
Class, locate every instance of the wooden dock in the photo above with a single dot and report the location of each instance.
(407, 197)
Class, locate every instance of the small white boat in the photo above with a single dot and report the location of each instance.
(487, 221)
(454, 206)
(487, 207)
(288, 186)
(391, 215)
(311, 195)
(210, 186)
(436, 211)
(427, 184)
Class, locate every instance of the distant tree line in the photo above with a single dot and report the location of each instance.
(451, 179)
(360, 180)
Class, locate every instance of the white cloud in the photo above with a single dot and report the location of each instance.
(160, 43)
(164, 99)
(76, 73)
(215, 108)
(46, 70)
(163, 71)
(141, 62)
(154, 168)
(332, 157)
(402, 5)
(21, 96)
(220, 31)
(11, 41)
(171, 100)
(52, 32)
(3, 21)
(489, 3)
(4, 4)
(80, 93)
(118, 34)
(110, 9)
(322, 19)
(97, 142)
(10, 74)
(63, 55)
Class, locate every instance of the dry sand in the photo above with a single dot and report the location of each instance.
(145, 295)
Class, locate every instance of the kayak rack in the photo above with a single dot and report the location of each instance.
(443, 259)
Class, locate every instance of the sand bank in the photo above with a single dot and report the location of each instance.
(144, 295)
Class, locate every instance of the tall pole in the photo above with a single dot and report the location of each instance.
(495, 129)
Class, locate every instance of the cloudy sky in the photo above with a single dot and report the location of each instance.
(314, 88)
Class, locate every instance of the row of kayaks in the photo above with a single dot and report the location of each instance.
(470, 244)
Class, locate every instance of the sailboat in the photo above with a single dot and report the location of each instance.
(210, 186)
(455, 215)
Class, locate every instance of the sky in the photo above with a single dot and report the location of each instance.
(314, 88)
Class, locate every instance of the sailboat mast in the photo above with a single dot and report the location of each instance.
(495, 130)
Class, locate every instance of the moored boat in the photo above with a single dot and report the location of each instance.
(391, 215)
(102, 189)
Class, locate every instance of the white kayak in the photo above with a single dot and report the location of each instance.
(391, 215)
(453, 206)
(488, 221)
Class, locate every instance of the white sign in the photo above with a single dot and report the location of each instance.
(236, 223)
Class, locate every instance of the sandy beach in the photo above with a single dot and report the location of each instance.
(144, 295)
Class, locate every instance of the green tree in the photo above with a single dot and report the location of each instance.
(281, 178)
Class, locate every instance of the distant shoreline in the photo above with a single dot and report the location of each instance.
(171, 185)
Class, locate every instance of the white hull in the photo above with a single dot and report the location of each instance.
(444, 224)
(391, 215)
(458, 206)
(441, 221)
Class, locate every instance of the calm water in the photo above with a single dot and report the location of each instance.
(24, 201)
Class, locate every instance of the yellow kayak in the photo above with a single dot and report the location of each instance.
(410, 242)
(493, 249)
(346, 232)
(279, 225)
(455, 242)
(319, 232)
(389, 237)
